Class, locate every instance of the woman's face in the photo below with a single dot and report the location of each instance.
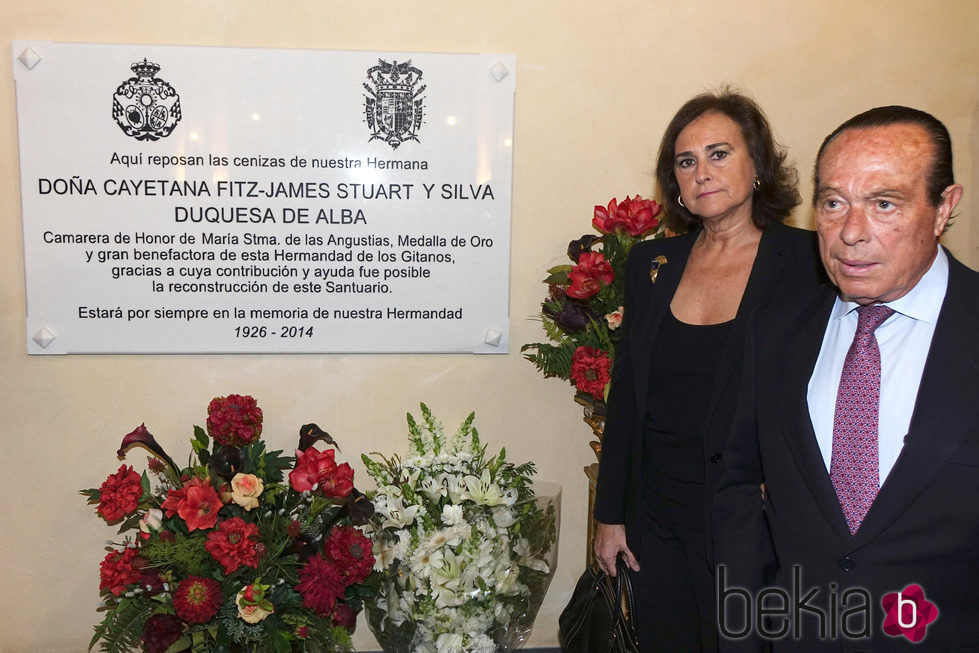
(714, 168)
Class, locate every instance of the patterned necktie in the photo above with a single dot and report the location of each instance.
(854, 467)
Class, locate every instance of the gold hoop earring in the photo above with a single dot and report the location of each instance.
(756, 184)
(679, 200)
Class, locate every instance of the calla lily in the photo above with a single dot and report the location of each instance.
(141, 436)
(310, 433)
(571, 315)
(226, 462)
(359, 507)
(583, 244)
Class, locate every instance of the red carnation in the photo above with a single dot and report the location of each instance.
(589, 275)
(120, 494)
(234, 421)
(318, 468)
(197, 503)
(321, 584)
(119, 569)
(197, 599)
(234, 543)
(590, 370)
(160, 632)
(350, 550)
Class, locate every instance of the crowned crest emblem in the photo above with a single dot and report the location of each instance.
(145, 107)
(393, 105)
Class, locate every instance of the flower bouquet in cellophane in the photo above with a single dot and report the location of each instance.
(465, 544)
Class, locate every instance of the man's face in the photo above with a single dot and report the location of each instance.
(878, 233)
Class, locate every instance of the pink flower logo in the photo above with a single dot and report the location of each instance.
(908, 613)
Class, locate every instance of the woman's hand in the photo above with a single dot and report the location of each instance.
(609, 544)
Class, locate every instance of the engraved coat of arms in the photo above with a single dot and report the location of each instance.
(145, 107)
(394, 106)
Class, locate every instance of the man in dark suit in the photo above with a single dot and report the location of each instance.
(860, 415)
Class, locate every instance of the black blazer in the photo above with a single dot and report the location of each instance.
(922, 528)
(786, 263)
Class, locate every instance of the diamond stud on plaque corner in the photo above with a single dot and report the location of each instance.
(29, 58)
(498, 71)
(493, 337)
(44, 337)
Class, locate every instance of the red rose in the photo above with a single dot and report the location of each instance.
(160, 632)
(636, 216)
(344, 616)
(589, 275)
(590, 370)
(119, 569)
(351, 551)
(197, 599)
(234, 543)
(321, 584)
(119, 495)
(234, 421)
(196, 502)
(315, 468)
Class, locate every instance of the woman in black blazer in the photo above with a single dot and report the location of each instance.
(673, 388)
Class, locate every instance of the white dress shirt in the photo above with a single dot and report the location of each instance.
(904, 340)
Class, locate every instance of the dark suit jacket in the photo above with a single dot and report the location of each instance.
(922, 528)
(786, 263)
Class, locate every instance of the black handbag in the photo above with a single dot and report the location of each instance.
(598, 618)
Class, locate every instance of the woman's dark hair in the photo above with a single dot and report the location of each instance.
(777, 193)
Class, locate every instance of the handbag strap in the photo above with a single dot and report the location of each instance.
(624, 594)
(623, 586)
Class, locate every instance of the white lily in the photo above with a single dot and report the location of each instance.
(432, 488)
(396, 514)
(456, 488)
(483, 490)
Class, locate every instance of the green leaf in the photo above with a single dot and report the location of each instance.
(552, 360)
(94, 495)
(558, 276)
(121, 630)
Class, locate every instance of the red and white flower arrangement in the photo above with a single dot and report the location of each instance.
(242, 550)
(583, 309)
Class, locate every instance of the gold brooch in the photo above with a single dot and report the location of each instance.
(654, 267)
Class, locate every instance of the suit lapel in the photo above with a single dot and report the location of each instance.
(654, 303)
(766, 272)
(792, 379)
(944, 410)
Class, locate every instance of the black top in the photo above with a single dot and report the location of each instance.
(684, 364)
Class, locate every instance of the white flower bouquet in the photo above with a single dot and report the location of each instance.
(464, 548)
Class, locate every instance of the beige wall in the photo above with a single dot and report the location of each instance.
(597, 82)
